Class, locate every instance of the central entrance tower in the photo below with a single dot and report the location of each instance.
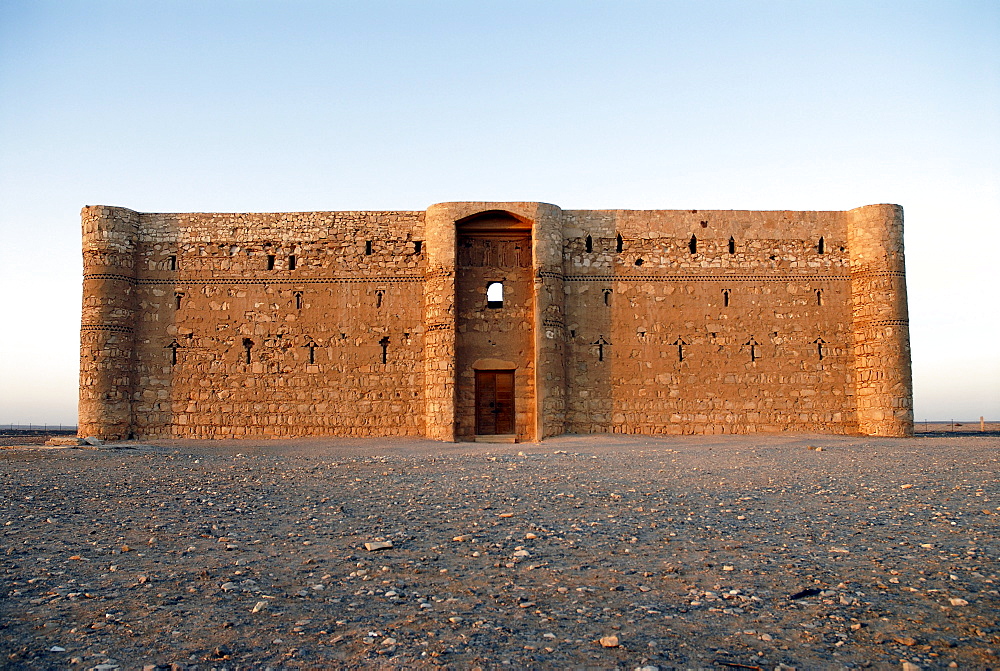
(495, 327)
(494, 308)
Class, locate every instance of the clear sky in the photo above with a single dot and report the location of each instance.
(178, 106)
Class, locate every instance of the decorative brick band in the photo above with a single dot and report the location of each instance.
(445, 274)
(883, 322)
(109, 276)
(706, 278)
(112, 328)
(245, 281)
(877, 273)
(439, 327)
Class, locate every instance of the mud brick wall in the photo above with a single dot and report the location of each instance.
(375, 323)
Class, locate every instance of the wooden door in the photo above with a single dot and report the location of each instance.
(494, 402)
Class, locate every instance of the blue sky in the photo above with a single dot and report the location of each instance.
(276, 106)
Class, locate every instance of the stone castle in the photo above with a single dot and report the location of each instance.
(493, 321)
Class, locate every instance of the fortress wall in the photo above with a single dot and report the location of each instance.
(374, 323)
(227, 347)
(677, 358)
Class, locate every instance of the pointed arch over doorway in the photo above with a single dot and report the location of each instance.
(493, 222)
(494, 249)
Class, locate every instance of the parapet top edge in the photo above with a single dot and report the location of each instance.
(491, 205)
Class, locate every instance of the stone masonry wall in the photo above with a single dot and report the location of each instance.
(881, 321)
(372, 323)
(107, 334)
(709, 322)
(232, 341)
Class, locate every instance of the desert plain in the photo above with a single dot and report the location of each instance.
(598, 552)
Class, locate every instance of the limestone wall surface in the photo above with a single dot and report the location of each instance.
(373, 323)
(709, 322)
(278, 325)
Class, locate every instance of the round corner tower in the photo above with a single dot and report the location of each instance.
(883, 385)
(107, 324)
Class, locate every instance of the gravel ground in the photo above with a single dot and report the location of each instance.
(580, 552)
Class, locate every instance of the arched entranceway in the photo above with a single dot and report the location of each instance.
(495, 322)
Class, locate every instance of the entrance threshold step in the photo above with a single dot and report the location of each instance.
(499, 438)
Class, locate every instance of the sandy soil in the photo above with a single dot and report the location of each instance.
(694, 552)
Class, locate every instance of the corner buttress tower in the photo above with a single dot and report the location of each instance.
(107, 340)
(883, 385)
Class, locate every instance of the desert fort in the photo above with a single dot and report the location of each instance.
(493, 321)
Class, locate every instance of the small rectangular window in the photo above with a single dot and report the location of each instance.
(368, 247)
(291, 262)
(270, 261)
(494, 295)
(172, 262)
